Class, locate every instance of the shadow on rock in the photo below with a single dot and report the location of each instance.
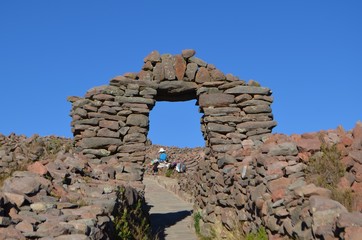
(161, 221)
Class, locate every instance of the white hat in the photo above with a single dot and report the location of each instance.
(162, 150)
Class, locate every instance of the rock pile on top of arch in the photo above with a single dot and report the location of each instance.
(112, 121)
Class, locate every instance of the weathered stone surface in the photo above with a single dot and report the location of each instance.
(134, 138)
(215, 100)
(137, 120)
(187, 53)
(217, 75)
(177, 87)
(309, 144)
(324, 213)
(27, 185)
(246, 126)
(105, 132)
(158, 72)
(98, 142)
(202, 75)
(97, 152)
(221, 111)
(311, 189)
(353, 233)
(350, 220)
(284, 149)
(113, 125)
(17, 199)
(356, 155)
(168, 62)
(248, 90)
(257, 109)
(198, 61)
(180, 67)
(38, 168)
(123, 99)
(148, 91)
(215, 127)
(147, 66)
(191, 70)
(145, 75)
(153, 57)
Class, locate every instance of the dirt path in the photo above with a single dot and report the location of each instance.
(170, 216)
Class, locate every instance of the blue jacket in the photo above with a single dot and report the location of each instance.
(163, 157)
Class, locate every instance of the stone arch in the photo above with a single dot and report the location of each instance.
(111, 122)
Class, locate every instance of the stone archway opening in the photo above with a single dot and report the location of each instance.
(111, 123)
(176, 124)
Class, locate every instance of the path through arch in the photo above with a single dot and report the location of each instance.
(171, 217)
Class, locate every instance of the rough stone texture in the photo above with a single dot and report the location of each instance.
(113, 121)
(63, 195)
(245, 171)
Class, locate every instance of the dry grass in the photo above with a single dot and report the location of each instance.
(325, 169)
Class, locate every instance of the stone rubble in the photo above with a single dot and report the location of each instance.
(266, 186)
(65, 197)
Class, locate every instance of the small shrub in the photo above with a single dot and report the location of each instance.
(325, 169)
(345, 197)
(132, 221)
(261, 234)
(169, 172)
(197, 218)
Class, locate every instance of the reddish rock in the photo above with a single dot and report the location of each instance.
(202, 75)
(17, 199)
(11, 233)
(346, 141)
(357, 187)
(348, 162)
(145, 75)
(187, 53)
(357, 135)
(25, 226)
(278, 187)
(154, 56)
(147, 66)
(304, 156)
(309, 144)
(311, 189)
(217, 75)
(356, 155)
(357, 202)
(38, 168)
(357, 130)
(353, 233)
(180, 67)
(357, 171)
(344, 183)
(276, 168)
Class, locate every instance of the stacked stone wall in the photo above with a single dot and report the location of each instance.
(266, 186)
(110, 123)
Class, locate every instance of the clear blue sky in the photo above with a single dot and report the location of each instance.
(308, 52)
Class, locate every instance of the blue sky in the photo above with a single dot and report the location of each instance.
(308, 52)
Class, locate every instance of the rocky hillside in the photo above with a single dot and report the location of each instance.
(48, 190)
